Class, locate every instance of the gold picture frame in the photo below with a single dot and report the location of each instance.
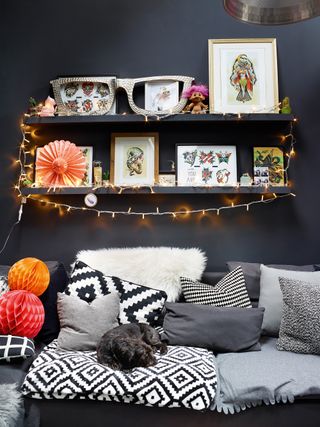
(243, 76)
(134, 159)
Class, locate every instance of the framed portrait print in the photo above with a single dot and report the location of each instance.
(243, 76)
(134, 159)
(161, 95)
(206, 165)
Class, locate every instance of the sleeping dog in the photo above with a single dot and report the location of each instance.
(128, 346)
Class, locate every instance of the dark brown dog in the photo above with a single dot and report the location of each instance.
(129, 346)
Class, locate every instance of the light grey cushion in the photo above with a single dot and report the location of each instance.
(300, 323)
(271, 296)
(266, 376)
(251, 271)
(82, 323)
(215, 328)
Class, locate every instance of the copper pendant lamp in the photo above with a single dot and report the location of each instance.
(272, 12)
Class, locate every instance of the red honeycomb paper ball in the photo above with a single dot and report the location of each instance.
(29, 274)
(21, 313)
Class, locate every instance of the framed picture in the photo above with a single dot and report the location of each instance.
(161, 95)
(87, 179)
(85, 95)
(134, 159)
(243, 76)
(268, 165)
(201, 165)
(167, 180)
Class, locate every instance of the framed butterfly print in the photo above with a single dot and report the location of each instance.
(206, 165)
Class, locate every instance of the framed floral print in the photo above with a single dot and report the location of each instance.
(206, 165)
(134, 159)
(243, 76)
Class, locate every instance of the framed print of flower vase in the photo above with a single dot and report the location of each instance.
(134, 159)
(243, 76)
(76, 96)
(206, 165)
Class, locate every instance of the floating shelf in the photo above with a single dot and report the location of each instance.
(178, 118)
(158, 190)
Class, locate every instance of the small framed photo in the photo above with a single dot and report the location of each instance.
(87, 179)
(206, 165)
(268, 166)
(167, 180)
(161, 95)
(243, 76)
(134, 159)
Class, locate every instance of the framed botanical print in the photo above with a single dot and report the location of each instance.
(206, 165)
(134, 159)
(243, 76)
(268, 166)
(87, 179)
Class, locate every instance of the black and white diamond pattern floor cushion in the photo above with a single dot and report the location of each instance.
(137, 303)
(230, 291)
(184, 377)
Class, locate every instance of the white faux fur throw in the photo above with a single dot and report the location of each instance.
(10, 405)
(154, 267)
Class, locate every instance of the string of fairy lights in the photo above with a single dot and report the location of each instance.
(25, 149)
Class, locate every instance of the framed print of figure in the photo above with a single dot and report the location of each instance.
(206, 165)
(243, 76)
(161, 95)
(134, 159)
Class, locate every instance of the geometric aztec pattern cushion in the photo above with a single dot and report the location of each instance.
(184, 377)
(13, 347)
(137, 303)
(230, 291)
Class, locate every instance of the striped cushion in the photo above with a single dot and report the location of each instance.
(13, 347)
(231, 291)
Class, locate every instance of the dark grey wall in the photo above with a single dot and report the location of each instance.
(40, 40)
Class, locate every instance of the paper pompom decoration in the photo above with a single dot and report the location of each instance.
(29, 274)
(60, 164)
(21, 313)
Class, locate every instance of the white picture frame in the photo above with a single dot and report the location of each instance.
(243, 76)
(161, 95)
(199, 165)
(134, 159)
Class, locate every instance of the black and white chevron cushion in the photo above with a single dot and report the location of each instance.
(231, 291)
(13, 347)
(137, 303)
(184, 377)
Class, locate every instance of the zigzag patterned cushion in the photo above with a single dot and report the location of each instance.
(231, 291)
(13, 347)
(184, 377)
(137, 303)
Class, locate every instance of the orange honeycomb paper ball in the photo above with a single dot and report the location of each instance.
(21, 313)
(29, 274)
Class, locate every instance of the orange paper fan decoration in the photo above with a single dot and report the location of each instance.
(60, 164)
(29, 274)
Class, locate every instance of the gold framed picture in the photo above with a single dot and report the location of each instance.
(243, 76)
(134, 159)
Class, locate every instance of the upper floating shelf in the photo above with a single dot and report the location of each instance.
(134, 118)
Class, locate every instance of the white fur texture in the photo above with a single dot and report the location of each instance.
(154, 267)
(10, 405)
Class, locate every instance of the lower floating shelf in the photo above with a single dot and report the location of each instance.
(156, 189)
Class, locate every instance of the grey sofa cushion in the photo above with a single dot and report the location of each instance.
(300, 323)
(271, 296)
(251, 271)
(82, 323)
(221, 329)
